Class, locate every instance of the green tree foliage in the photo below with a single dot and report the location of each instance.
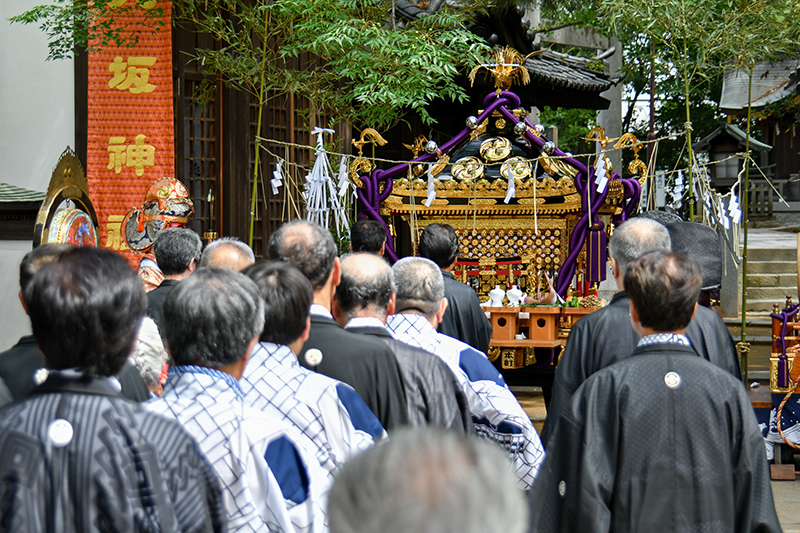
(361, 67)
(688, 41)
(91, 24)
(573, 126)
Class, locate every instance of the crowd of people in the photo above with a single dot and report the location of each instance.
(312, 393)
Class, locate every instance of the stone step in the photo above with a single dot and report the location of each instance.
(769, 254)
(772, 267)
(757, 324)
(765, 306)
(772, 280)
(776, 294)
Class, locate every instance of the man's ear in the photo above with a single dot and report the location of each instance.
(382, 251)
(392, 304)
(250, 347)
(22, 301)
(634, 312)
(635, 324)
(192, 265)
(442, 309)
(306, 330)
(614, 269)
(336, 310)
(694, 311)
(336, 273)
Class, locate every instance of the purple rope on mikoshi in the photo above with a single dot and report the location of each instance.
(632, 191)
(370, 197)
(569, 265)
(784, 316)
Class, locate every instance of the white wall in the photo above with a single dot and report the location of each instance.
(36, 102)
(36, 124)
(14, 321)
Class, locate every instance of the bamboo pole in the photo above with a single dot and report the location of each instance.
(261, 94)
(688, 128)
(746, 215)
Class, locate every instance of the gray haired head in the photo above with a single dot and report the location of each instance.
(367, 283)
(175, 248)
(227, 252)
(420, 285)
(211, 317)
(308, 247)
(635, 238)
(149, 354)
(428, 480)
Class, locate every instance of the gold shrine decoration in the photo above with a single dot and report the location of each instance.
(68, 182)
(493, 241)
(418, 146)
(368, 136)
(598, 134)
(637, 167)
(507, 66)
(362, 165)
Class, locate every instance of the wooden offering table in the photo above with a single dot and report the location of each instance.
(530, 336)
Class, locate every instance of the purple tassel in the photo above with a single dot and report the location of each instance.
(596, 253)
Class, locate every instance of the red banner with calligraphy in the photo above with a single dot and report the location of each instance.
(130, 140)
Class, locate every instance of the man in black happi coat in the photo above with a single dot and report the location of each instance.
(22, 367)
(75, 455)
(662, 440)
(464, 318)
(606, 336)
(364, 299)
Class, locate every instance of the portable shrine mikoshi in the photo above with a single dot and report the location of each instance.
(523, 211)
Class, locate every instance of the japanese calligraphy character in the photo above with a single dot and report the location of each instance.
(116, 154)
(114, 229)
(146, 4)
(131, 75)
(140, 155)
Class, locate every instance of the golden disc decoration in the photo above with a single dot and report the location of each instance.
(495, 149)
(520, 168)
(467, 168)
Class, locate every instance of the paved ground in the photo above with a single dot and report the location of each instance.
(787, 503)
(762, 238)
(785, 493)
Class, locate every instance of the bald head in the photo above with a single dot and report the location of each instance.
(306, 246)
(633, 239)
(366, 288)
(227, 252)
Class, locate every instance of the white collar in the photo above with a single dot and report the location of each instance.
(320, 310)
(664, 338)
(364, 322)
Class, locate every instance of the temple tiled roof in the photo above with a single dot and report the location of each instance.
(557, 79)
(13, 197)
(571, 72)
(771, 82)
(734, 131)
